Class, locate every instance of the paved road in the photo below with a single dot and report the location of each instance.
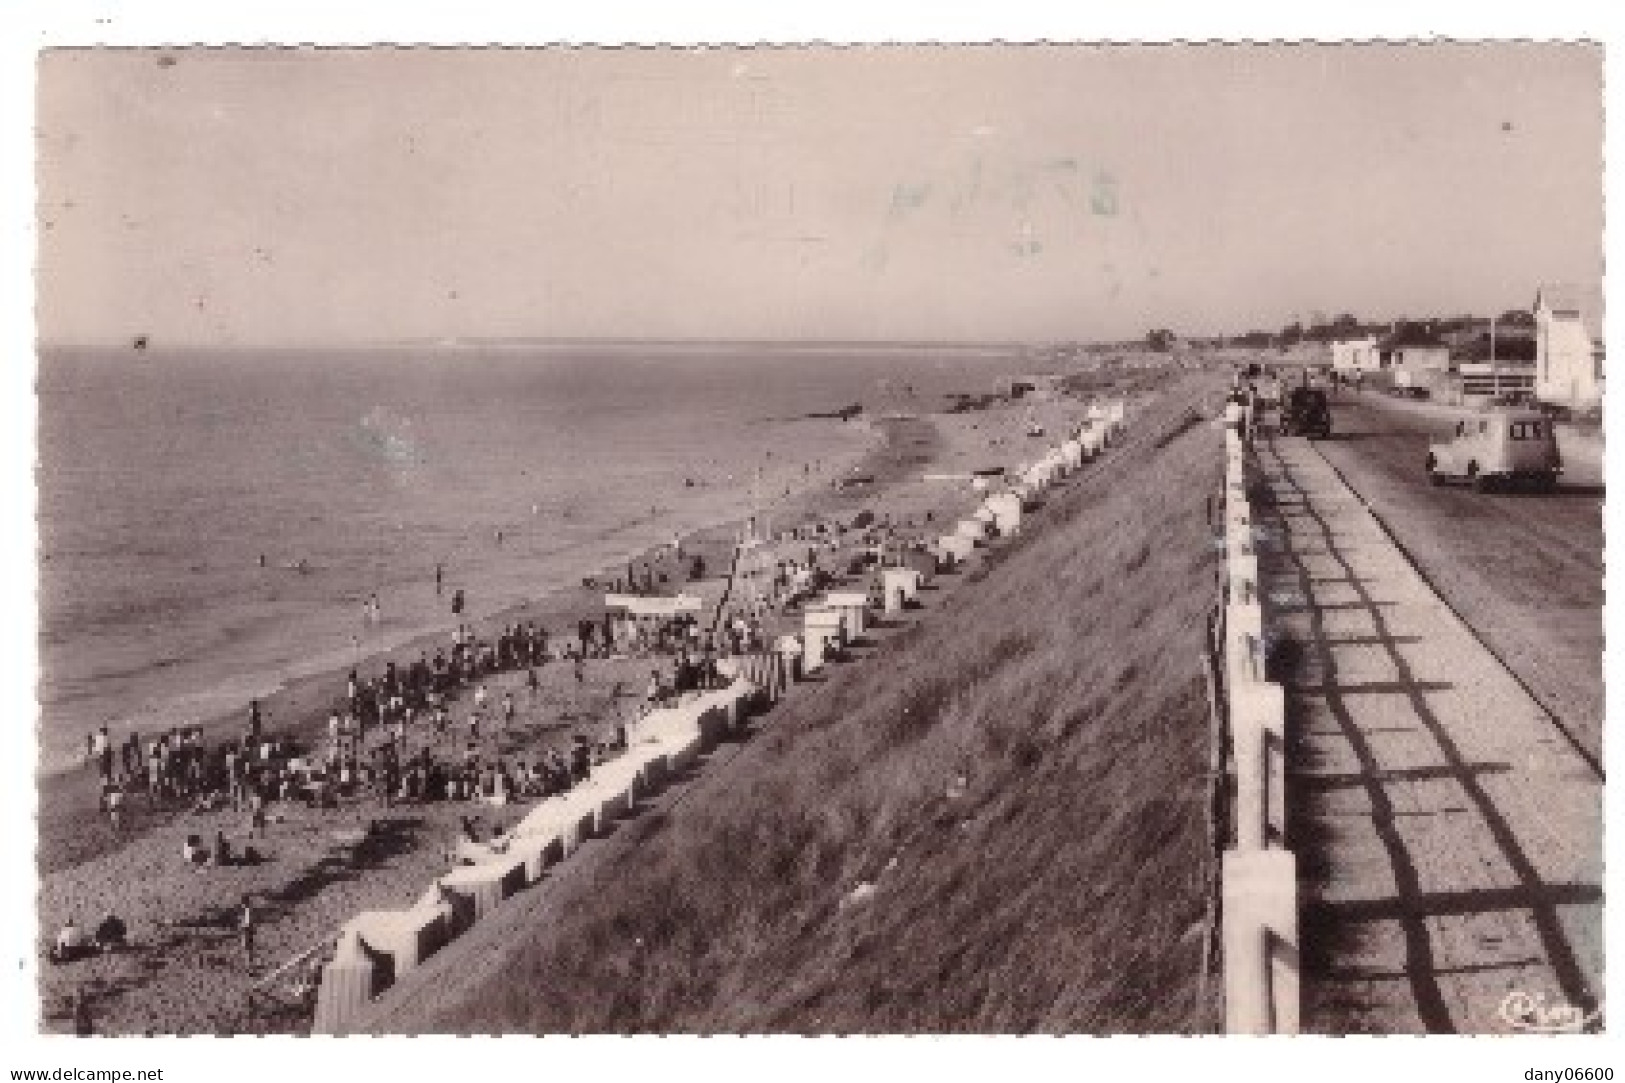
(1449, 837)
(1524, 570)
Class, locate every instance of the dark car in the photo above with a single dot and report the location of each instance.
(1306, 413)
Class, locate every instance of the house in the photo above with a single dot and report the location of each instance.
(1569, 346)
(1416, 357)
(1356, 355)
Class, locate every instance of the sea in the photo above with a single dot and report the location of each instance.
(165, 477)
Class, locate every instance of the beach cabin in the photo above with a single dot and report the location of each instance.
(851, 605)
(899, 586)
(486, 884)
(1072, 454)
(821, 633)
(1006, 510)
(957, 546)
(972, 530)
(407, 936)
(355, 975)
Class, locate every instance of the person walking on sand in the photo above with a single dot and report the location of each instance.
(256, 811)
(532, 683)
(439, 578)
(246, 923)
(101, 747)
(114, 800)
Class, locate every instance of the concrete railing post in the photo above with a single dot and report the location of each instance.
(1261, 973)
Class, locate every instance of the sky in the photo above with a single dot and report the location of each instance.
(293, 197)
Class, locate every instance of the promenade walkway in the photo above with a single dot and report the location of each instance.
(1449, 838)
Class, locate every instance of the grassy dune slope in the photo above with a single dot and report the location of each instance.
(1058, 889)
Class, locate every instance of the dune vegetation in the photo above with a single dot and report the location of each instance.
(992, 822)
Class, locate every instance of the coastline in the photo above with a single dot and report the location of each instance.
(71, 829)
(185, 973)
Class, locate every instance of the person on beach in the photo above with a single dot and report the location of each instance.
(247, 921)
(532, 682)
(113, 803)
(101, 747)
(439, 578)
(507, 708)
(70, 943)
(112, 934)
(256, 811)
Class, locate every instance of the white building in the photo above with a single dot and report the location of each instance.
(1568, 346)
(1356, 355)
(1413, 365)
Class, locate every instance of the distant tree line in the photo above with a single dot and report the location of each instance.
(1511, 327)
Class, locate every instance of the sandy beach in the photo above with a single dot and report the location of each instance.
(185, 971)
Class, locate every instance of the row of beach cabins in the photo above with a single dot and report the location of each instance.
(375, 948)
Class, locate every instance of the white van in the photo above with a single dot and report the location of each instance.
(1501, 445)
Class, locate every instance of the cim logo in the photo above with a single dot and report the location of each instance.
(1533, 1013)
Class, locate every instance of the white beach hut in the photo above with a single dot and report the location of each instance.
(851, 605)
(821, 633)
(1006, 509)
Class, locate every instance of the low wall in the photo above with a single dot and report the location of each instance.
(1258, 892)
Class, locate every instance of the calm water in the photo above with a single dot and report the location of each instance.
(163, 479)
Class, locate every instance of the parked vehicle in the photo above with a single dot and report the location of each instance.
(1501, 445)
(1306, 413)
